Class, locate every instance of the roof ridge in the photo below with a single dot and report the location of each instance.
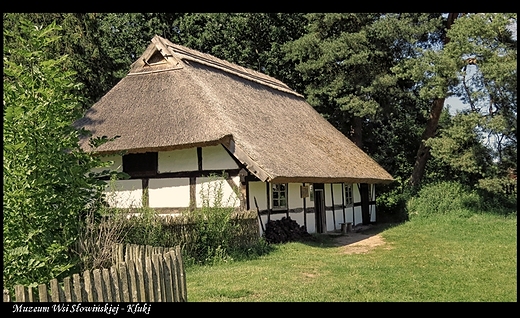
(215, 62)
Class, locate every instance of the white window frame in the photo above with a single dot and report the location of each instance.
(280, 194)
(349, 194)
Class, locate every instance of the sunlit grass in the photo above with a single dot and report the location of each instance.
(441, 258)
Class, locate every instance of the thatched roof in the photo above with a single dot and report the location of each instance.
(175, 97)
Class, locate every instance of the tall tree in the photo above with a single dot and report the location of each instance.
(442, 72)
(252, 40)
(442, 82)
(484, 52)
(47, 179)
(347, 59)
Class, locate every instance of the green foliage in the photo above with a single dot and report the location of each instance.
(252, 40)
(213, 225)
(459, 145)
(456, 199)
(47, 181)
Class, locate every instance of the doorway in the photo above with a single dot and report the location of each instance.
(319, 208)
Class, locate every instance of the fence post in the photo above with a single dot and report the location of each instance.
(116, 284)
(98, 285)
(107, 284)
(79, 294)
(150, 279)
(43, 295)
(125, 288)
(132, 284)
(141, 287)
(180, 264)
(157, 272)
(67, 289)
(56, 291)
(20, 293)
(170, 278)
(91, 297)
(7, 297)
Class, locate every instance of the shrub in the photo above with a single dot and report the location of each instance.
(453, 198)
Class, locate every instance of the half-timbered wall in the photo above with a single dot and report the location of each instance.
(183, 181)
(302, 209)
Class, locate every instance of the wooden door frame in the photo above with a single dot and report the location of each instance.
(319, 207)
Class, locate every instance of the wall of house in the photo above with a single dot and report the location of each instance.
(185, 178)
(336, 213)
(174, 192)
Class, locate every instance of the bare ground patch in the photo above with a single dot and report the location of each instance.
(359, 243)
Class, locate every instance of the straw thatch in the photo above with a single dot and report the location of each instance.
(175, 97)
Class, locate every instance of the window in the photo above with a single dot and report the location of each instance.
(348, 194)
(140, 164)
(279, 195)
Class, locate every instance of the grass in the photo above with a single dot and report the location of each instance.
(442, 258)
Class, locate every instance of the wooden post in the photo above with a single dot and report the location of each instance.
(56, 291)
(98, 285)
(125, 288)
(116, 284)
(78, 288)
(67, 288)
(43, 296)
(107, 285)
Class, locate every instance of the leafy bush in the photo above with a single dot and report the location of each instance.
(456, 199)
(48, 186)
(391, 202)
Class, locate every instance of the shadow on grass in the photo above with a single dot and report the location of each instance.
(359, 233)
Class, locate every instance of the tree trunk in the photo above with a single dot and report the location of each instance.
(423, 154)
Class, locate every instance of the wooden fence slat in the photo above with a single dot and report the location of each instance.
(157, 276)
(141, 287)
(56, 291)
(149, 269)
(7, 296)
(98, 285)
(150, 274)
(20, 293)
(121, 254)
(116, 284)
(125, 288)
(182, 273)
(67, 289)
(169, 279)
(176, 278)
(43, 295)
(78, 288)
(107, 285)
(89, 287)
(162, 281)
(132, 284)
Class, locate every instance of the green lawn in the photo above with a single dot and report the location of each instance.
(442, 258)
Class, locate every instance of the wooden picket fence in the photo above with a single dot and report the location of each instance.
(140, 274)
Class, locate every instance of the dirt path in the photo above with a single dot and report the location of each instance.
(359, 243)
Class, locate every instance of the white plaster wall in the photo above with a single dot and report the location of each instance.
(217, 158)
(117, 163)
(177, 160)
(169, 193)
(124, 193)
(210, 187)
(293, 195)
(257, 189)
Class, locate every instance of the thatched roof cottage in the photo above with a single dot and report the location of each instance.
(182, 115)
